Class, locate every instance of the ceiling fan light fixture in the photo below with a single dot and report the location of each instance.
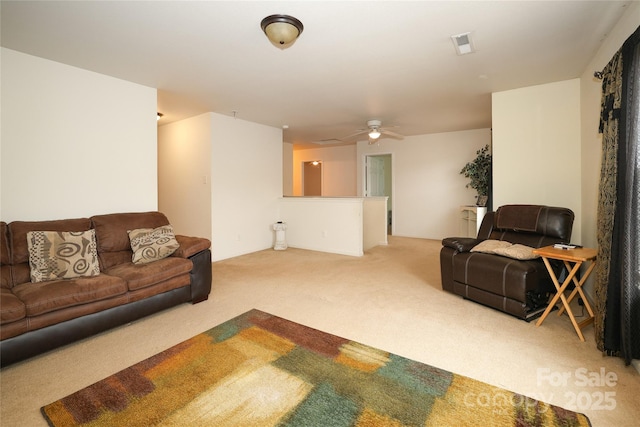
(282, 30)
(374, 134)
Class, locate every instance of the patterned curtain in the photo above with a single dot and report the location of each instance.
(617, 273)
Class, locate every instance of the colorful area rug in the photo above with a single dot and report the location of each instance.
(262, 370)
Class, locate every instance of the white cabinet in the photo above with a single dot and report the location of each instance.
(470, 220)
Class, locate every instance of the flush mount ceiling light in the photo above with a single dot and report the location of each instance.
(282, 30)
(463, 43)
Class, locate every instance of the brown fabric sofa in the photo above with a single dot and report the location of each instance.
(37, 317)
(514, 286)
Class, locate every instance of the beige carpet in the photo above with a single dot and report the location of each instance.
(390, 299)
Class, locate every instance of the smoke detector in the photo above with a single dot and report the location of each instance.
(463, 43)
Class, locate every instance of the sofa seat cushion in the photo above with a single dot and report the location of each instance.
(139, 276)
(164, 286)
(6, 277)
(45, 297)
(13, 329)
(11, 308)
(499, 275)
(58, 316)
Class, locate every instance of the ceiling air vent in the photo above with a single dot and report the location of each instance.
(463, 43)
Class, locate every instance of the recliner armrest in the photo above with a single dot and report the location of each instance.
(460, 244)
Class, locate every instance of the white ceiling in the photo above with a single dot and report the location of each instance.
(355, 60)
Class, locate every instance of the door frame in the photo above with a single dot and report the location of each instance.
(365, 183)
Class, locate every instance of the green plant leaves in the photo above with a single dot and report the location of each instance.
(479, 171)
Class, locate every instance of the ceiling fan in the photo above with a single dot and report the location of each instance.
(375, 131)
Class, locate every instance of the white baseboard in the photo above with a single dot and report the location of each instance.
(636, 364)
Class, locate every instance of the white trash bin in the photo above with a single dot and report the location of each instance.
(281, 243)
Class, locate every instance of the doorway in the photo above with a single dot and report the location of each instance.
(378, 182)
(312, 178)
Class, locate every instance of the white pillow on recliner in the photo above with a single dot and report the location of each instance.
(490, 246)
(517, 251)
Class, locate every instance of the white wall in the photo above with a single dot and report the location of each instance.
(324, 224)
(374, 222)
(184, 175)
(338, 169)
(427, 186)
(246, 184)
(537, 149)
(74, 143)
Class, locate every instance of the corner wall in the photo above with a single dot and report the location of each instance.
(536, 147)
(221, 178)
(74, 143)
(184, 175)
(246, 185)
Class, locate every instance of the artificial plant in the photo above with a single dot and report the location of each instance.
(479, 172)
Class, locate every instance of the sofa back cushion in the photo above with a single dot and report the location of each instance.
(114, 246)
(532, 225)
(4, 244)
(18, 241)
(5, 258)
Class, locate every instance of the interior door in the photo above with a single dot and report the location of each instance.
(375, 176)
(378, 181)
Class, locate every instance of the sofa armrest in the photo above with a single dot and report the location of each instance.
(201, 276)
(460, 244)
(190, 246)
(197, 249)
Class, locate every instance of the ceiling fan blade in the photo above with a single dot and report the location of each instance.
(353, 135)
(327, 141)
(391, 134)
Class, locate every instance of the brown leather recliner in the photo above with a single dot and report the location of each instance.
(517, 287)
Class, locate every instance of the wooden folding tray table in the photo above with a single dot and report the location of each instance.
(577, 257)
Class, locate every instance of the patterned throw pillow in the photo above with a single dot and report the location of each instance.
(55, 255)
(152, 244)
